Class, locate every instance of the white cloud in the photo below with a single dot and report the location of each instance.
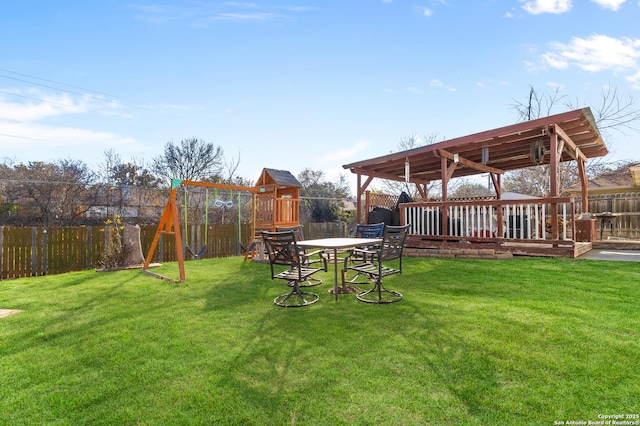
(555, 85)
(536, 7)
(610, 4)
(423, 10)
(595, 53)
(635, 80)
(555, 60)
(203, 14)
(343, 154)
(437, 83)
(44, 141)
(43, 106)
(24, 129)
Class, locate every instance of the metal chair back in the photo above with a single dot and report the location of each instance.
(369, 230)
(393, 239)
(297, 231)
(282, 250)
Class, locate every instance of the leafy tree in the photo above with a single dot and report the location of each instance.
(470, 190)
(322, 200)
(56, 193)
(128, 185)
(192, 159)
(131, 174)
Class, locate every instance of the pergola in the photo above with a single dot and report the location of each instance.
(570, 136)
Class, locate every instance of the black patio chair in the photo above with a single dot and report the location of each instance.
(309, 257)
(282, 250)
(363, 254)
(391, 248)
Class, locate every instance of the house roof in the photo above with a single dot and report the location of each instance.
(617, 181)
(503, 149)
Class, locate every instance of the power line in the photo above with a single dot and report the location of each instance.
(26, 137)
(99, 98)
(40, 100)
(52, 182)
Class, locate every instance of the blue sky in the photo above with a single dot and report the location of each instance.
(294, 84)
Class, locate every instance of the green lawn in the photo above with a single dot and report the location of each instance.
(474, 342)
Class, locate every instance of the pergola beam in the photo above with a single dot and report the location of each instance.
(476, 166)
(574, 152)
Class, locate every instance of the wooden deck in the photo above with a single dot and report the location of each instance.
(498, 228)
(494, 248)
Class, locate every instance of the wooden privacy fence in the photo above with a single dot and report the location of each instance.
(626, 208)
(35, 251)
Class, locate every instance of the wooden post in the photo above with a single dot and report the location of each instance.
(444, 214)
(553, 182)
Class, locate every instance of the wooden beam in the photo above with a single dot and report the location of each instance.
(445, 183)
(371, 174)
(443, 174)
(553, 177)
(553, 165)
(584, 185)
(574, 152)
(495, 178)
(422, 190)
(476, 166)
(360, 189)
(219, 186)
(450, 169)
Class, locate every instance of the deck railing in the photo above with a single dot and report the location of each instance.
(530, 219)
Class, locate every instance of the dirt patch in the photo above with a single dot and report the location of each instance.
(345, 289)
(7, 312)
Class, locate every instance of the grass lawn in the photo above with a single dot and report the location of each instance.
(474, 342)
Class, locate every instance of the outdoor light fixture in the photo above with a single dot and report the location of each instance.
(406, 169)
(485, 155)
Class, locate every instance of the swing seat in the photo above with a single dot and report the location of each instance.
(200, 252)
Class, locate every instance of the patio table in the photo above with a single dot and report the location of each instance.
(336, 244)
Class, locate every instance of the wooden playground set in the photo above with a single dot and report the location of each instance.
(276, 202)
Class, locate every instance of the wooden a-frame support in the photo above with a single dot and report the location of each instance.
(170, 224)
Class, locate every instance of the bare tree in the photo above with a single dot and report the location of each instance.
(537, 105)
(228, 173)
(397, 187)
(612, 113)
(192, 159)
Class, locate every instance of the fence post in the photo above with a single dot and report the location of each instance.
(1, 251)
(88, 244)
(34, 251)
(45, 251)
